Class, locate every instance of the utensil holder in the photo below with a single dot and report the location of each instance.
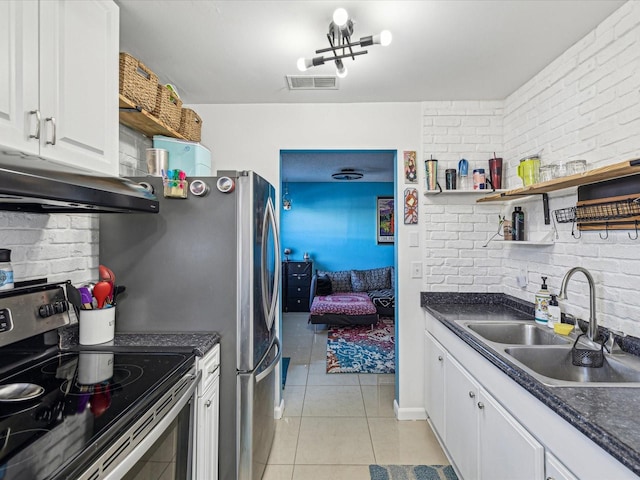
(97, 326)
(175, 188)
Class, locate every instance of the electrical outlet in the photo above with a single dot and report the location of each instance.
(522, 279)
(416, 270)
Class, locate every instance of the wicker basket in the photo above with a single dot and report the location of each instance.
(168, 108)
(137, 82)
(190, 125)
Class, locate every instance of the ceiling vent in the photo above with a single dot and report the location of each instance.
(309, 82)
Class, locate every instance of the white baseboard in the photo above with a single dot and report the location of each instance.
(409, 413)
(279, 410)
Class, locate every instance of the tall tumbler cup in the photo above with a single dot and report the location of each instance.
(431, 170)
(495, 172)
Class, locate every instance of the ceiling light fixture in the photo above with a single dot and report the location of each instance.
(286, 199)
(347, 174)
(340, 44)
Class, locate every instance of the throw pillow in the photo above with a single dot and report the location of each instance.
(393, 277)
(340, 281)
(359, 281)
(323, 285)
(377, 278)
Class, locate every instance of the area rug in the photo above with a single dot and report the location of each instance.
(285, 368)
(359, 349)
(412, 472)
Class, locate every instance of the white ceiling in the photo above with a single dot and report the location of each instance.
(239, 51)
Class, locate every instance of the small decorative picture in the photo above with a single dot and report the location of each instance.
(385, 220)
(410, 206)
(410, 172)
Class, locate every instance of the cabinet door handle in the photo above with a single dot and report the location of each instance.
(480, 405)
(550, 478)
(472, 395)
(207, 403)
(439, 358)
(37, 134)
(53, 123)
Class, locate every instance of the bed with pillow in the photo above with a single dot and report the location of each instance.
(351, 297)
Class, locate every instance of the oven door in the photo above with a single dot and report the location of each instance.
(158, 445)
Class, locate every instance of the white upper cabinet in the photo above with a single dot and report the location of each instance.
(75, 94)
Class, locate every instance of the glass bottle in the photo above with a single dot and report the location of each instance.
(6, 270)
(517, 224)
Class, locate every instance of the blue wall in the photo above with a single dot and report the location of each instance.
(336, 224)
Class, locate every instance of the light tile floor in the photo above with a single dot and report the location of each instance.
(334, 426)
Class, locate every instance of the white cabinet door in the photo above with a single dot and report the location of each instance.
(461, 418)
(19, 75)
(79, 44)
(434, 358)
(507, 450)
(206, 450)
(555, 469)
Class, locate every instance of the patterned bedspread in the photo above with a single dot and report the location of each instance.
(357, 303)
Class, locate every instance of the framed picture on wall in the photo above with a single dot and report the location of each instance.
(384, 220)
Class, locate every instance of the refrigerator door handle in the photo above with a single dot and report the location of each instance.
(269, 304)
(269, 369)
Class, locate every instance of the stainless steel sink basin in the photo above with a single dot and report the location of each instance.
(516, 333)
(555, 364)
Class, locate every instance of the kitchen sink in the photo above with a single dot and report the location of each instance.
(555, 364)
(516, 333)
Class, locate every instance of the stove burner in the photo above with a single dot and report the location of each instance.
(20, 392)
(123, 375)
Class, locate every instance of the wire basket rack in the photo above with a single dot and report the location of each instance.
(565, 215)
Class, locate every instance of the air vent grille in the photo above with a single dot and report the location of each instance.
(309, 82)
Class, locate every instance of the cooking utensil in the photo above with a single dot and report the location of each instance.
(106, 275)
(117, 290)
(86, 298)
(101, 292)
(74, 297)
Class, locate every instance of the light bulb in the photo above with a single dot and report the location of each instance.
(385, 38)
(340, 17)
(302, 64)
(341, 71)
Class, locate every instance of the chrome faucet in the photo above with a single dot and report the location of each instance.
(592, 333)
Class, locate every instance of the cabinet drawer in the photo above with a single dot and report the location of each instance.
(303, 291)
(209, 365)
(298, 304)
(299, 279)
(299, 267)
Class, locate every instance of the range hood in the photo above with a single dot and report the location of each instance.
(33, 184)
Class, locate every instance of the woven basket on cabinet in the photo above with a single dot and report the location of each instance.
(137, 82)
(190, 125)
(168, 108)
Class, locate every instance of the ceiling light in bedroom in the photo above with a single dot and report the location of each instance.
(347, 174)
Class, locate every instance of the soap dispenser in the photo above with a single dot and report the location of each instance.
(542, 303)
(553, 311)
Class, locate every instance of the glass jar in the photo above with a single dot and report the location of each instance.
(546, 172)
(479, 179)
(576, 166)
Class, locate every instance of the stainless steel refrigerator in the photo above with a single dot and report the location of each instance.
(210, 263)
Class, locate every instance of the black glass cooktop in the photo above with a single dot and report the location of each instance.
(88, 398)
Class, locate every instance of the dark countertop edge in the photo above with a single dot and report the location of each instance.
(198, 343)
(622, 452)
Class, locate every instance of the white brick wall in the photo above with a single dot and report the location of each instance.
(585, 104)
(59, 246)
(457, 227)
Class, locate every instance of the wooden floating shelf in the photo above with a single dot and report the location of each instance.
(142, 121)
(608, 172)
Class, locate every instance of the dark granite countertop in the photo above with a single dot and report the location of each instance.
(606, 415)
(198, 342)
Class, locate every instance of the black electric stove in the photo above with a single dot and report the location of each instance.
(65, 408)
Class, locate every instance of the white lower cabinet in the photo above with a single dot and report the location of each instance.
(555, 470)
(207, 418)
(434, 358)
(483, 439)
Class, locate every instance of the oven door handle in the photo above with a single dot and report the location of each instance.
(136, 454)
